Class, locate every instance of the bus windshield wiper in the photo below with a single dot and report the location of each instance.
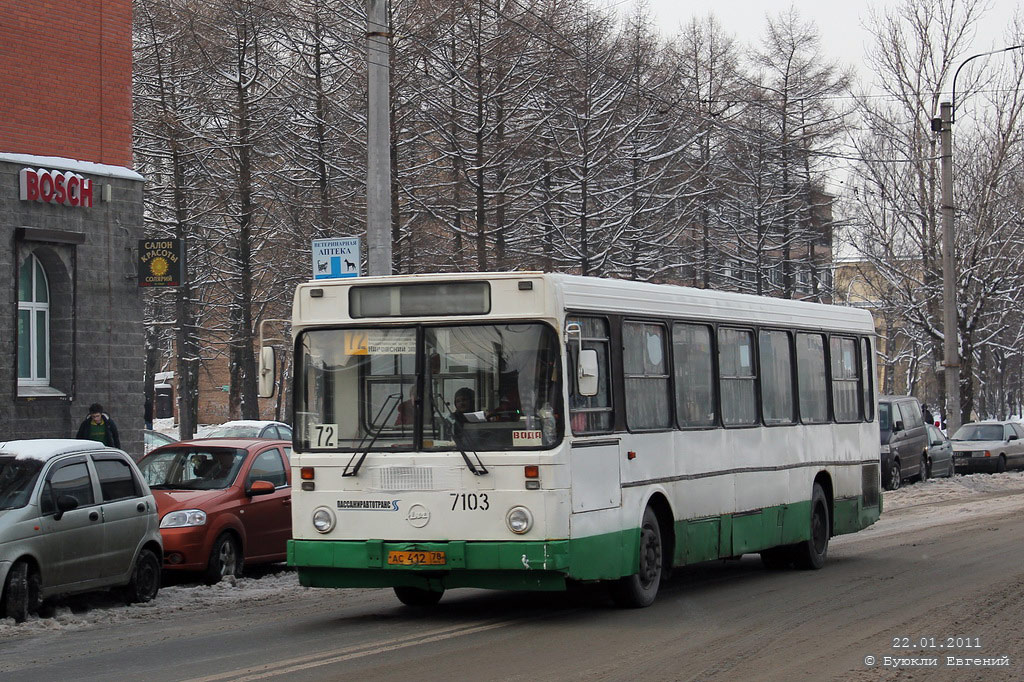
(478, 469)
(351, 470)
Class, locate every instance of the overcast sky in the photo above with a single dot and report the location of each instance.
(840, 23)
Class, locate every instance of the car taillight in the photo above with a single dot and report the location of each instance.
(307, 473)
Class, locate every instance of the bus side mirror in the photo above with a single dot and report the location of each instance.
(586, 372)
(266, 376)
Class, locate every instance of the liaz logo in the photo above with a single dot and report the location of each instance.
(369, 505)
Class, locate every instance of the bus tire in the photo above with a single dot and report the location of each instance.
(639, 590)
(811, 554)
(417, 596)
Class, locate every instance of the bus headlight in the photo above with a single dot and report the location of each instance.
(519, 520)
(323, 520)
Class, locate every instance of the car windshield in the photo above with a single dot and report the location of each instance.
(979, 432)
(884, 416)
(190, 468)
(17, 480)
(486, 387)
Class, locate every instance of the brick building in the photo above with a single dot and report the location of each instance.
(70, 216)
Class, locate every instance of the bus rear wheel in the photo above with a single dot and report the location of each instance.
(639, 590)
(811, 553)
(416, 596)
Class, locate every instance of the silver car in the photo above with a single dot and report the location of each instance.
(992, 446)
(75, 516)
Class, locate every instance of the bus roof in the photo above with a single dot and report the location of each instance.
(578, 293)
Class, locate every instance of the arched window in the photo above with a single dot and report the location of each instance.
(33, 324)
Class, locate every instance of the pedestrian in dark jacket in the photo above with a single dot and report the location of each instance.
(100, 427)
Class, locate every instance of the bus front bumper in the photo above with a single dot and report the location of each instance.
(523, 565)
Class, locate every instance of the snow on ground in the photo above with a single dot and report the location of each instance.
(100, 608)
(955, 488)
(940, 501)
(935, 502)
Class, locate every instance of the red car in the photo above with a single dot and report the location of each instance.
(222, 503)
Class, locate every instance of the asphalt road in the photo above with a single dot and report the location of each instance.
(922, 572)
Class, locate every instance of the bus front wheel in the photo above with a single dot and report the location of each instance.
(416, 596)
(639, 590)
(811, 553)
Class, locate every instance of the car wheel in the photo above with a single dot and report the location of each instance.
(926, 469)
(21, 592)
(1001, 464)
(895, 476)
(145, 582)
(416, 596)
(811, 553)
(640, 589)
(225, 560)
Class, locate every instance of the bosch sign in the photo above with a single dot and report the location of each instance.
(56, 187)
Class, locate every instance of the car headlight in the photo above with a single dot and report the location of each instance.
(885, 449)
(519, 520)
(323, 520)
(184, 518)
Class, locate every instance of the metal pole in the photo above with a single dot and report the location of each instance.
(378, 143)
(951, 355)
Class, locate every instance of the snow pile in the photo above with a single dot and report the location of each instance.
(955, 488)
(938, 502)
(97, 608)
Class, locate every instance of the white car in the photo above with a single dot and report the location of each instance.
(251, 429)
(993, 446)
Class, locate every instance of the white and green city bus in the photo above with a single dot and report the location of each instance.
(526, 430)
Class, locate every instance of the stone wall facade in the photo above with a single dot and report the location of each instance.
(95, 329)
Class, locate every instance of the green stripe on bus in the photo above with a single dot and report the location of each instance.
(547, 564)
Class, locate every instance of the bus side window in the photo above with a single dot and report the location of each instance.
(695, 375)
(868, 380)
(591, 414)
(811, 378)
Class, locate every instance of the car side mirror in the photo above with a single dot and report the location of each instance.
(1012, 437)
(65, 503)
(898, 426)
(257, 488)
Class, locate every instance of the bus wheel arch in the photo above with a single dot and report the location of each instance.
(824, 479)
(812, 552)
(639, 590)
(663, 510)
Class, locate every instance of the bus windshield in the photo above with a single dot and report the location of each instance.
(484, 387)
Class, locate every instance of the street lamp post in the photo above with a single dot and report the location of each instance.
(951, 341)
